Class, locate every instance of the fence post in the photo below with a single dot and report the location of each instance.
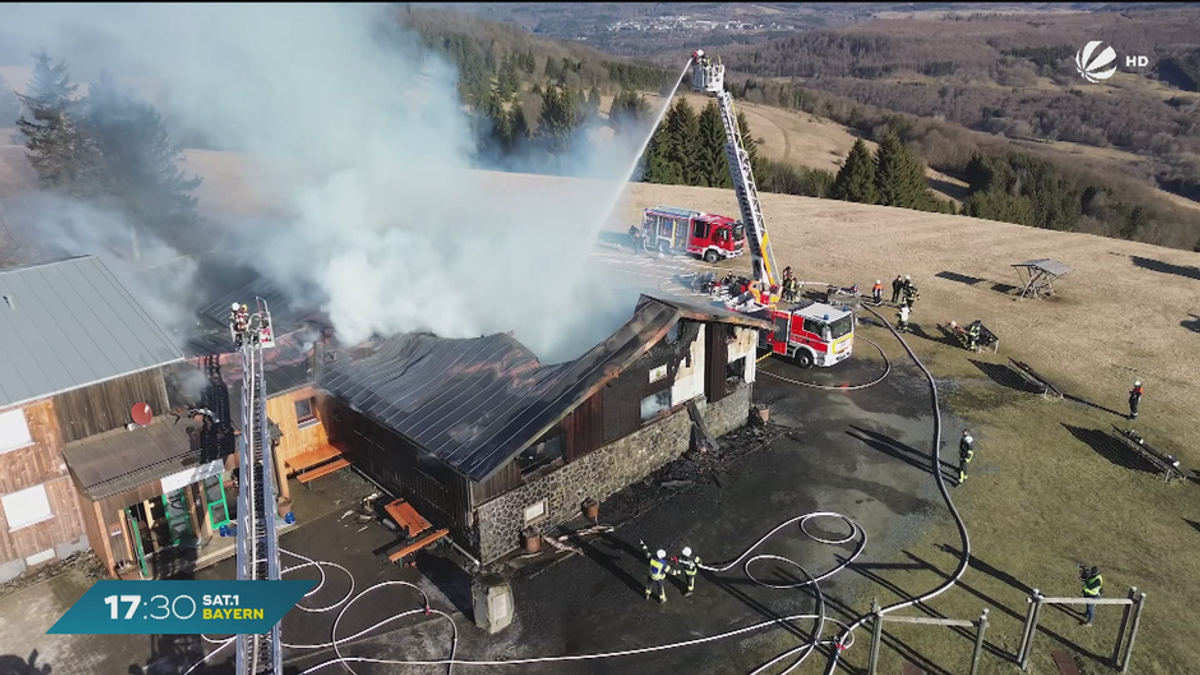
(1037, 614)
(1137, 619)
(1116, 657)
(876, 638)
(1028, 622)
(983, 623)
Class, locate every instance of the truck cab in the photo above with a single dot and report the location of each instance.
(813, 334)
(704, 235)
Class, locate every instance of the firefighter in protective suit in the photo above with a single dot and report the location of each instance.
(690, 564)
(973, 337)
(659, 569)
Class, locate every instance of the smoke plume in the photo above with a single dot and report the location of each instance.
(381, 220)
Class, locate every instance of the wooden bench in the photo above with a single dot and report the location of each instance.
(412, 525)
(1065, 663)
(1169, 470)
(910, 669)
(311, 465)
(1039, 381)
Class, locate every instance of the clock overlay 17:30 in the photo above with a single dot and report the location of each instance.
(113, 607)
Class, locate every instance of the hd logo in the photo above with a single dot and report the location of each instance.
(1099, 67)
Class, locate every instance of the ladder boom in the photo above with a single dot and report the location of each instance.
(709, 77)
(258, 541)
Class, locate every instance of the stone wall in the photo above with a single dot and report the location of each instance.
(601, 473)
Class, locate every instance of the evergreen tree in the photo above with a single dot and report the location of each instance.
(856, 180)
(748, 143)
(629, 110)
(712, 166)
(899, 176)
(64, 156)
(684, 133)
(508, 81)
(557, 122)
(659, 167)
(518, 128)
(1134, 224)
(593, 103)
(141, 174)
(10, 105)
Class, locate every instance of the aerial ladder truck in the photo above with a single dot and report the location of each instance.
(811, 333)
(257, 539)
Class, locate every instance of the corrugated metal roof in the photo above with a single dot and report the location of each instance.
(68, 324)
(120, 460)
(477, 403)
(675, 211)
(285, 314)
(1047, 265)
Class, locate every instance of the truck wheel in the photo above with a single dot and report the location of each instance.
(804, 359)
(710, 256)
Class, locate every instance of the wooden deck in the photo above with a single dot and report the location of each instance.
(1065, 663)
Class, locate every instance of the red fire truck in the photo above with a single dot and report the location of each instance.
(809, 332)
(707, 236)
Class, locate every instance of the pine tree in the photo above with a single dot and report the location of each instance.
(593, 102)
(748, 143)
(712, 166)
(659, 168)
(856, 180)
(629, 110)
(558, 121)
(684, 133)
(518, 128)
(899, 176)
(63, 155)
(140, 163)
(508, 81)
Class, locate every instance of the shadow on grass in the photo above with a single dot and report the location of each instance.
(960, 278)
(1097, 406)
(1005, 578)
(1110, 448)
(905, 453)
(1004, 375)
(1006, 289)
(1154, 265)
(1194, 524)
(943, 338)
(1192, 324)
(1077, 648)
(949, 189)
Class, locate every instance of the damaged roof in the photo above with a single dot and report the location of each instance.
(477, 403)
(69, 324)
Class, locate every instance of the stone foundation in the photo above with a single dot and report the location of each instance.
(601, 473)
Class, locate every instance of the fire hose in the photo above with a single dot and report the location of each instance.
(844, 641)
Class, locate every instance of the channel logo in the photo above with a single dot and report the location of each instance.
(1092, 67)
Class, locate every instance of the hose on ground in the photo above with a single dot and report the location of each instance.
(887, 363)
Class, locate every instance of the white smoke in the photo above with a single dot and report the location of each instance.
(385, 221)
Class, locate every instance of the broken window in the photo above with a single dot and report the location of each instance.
(541, 454)
(306, 411)
(736, 370)
(673, 332)
(654, 404)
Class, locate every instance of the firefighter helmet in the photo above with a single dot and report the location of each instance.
(660, 554)
(687, 551)
(878, 281)
(244, 308)
(1137, 384)
(235, 307)
(907, 278)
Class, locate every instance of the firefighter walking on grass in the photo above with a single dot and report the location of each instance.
(1135, 397)
(659, 569)
(966, 452)
(897, 285)
(877, 292)
(690, 564)
(1093, 585)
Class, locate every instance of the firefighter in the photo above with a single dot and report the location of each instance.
(966, 452)
(236, 324)
(659, 569)
(897, 286)
(690, 565)
(877, 292)
(973, 336)
(1135, 397)
(902, 326)
(911, 294)
(1093, 585)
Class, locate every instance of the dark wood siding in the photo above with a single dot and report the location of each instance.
(506, 478)
(716, 357)
(584, 427)
(441, 494)
(106, 406)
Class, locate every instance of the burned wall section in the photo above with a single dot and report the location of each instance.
(599, 474)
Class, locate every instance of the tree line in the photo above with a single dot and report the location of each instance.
(107, 148)
(893, 176)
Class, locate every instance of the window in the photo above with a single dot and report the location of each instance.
(26, 507)
(739, 232)
(306, 411)
(842, 326)
(674, 332)
(813, 326)
(535, 513)
(736, 369)
(541, 454)
(14, 433)
(654, 404)
(699, 229)
(658, 373)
